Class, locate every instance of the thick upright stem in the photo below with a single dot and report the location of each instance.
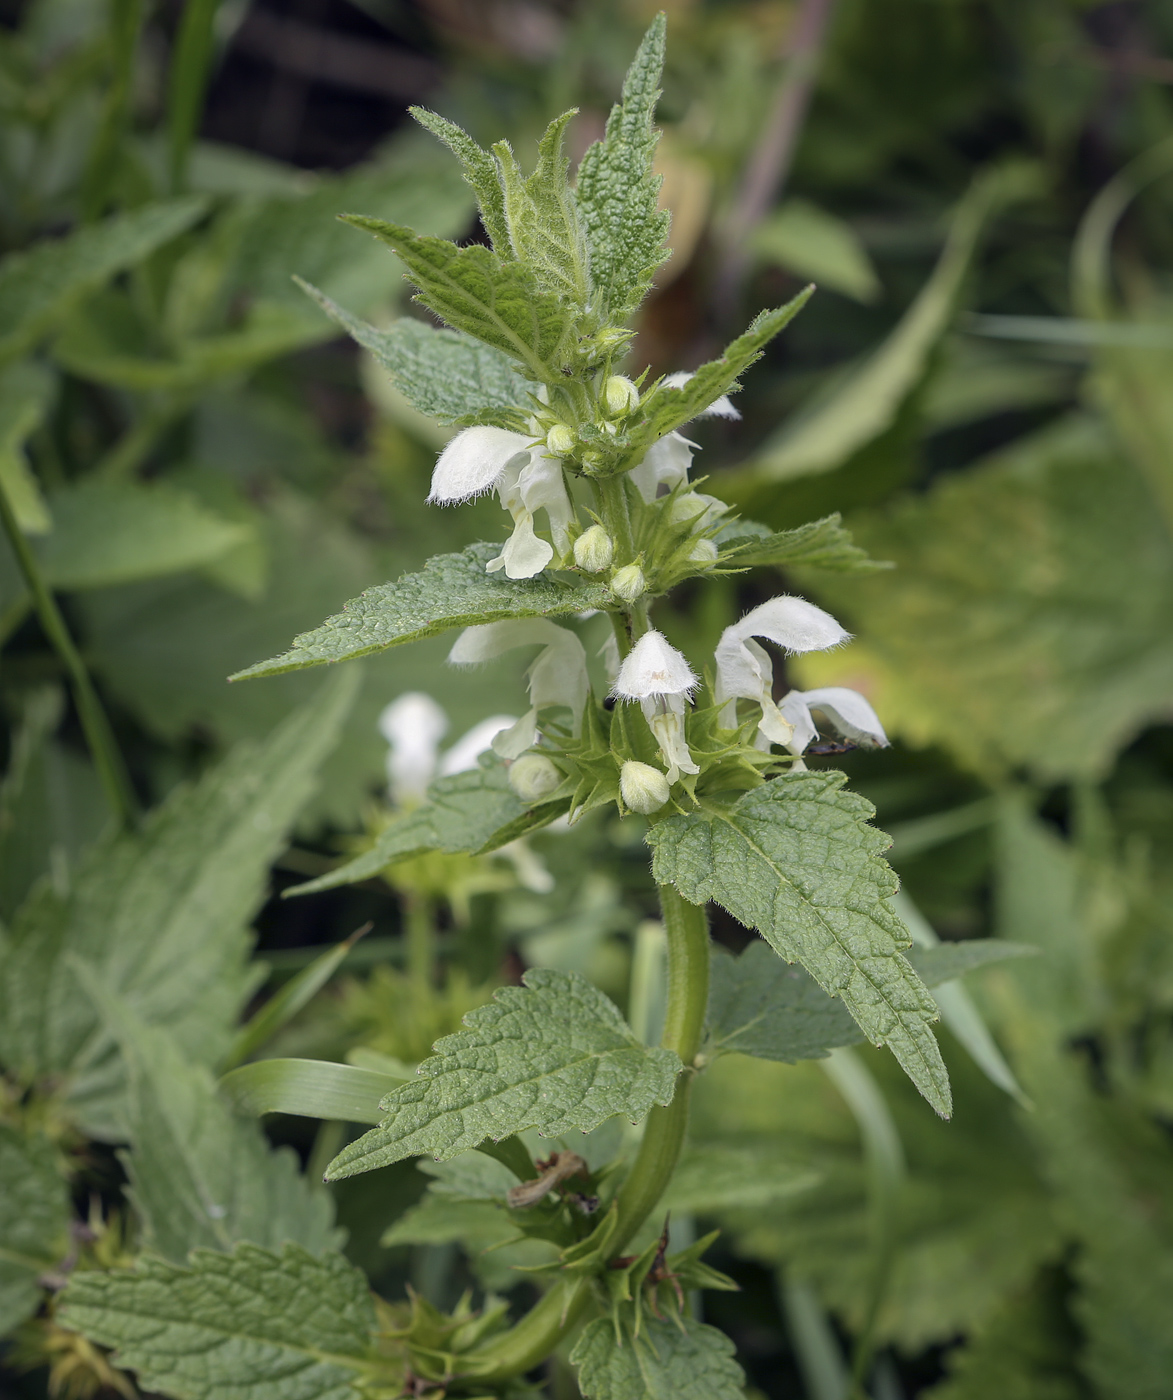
(99, 737)
(611, 493)
(417, 916)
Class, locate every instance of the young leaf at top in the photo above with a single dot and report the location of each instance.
(769, 1009)
(474, 291)
(162, 914)
(480, 170)
(821, 544)
(34, 1221)
(451, 590)
(544, 226)
(553, 1055)
(475, 811)
(201, 1178)
(445, 374)
(252, 1324)
(617, 192)
(797, 860)
(663, 1361)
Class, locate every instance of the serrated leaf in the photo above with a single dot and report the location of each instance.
(34, 1221)
(111, 532)
(618, 193)
(475, 811)
(763, 1007)
(443, 373)
(713, 1176)
(554, 1055)
(252, 1324)
(40, 286)
(474, 291)
(480, 171)
(309, 1089)
(451, 590)
(668, 407)
(162, 914)
(796, 860)
(201, 1178)
(663, 1362)
(26, 391)
(823, 544)
(542, 217)
(1027, 621)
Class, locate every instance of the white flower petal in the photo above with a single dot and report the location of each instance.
(543, 487)
(558, 675)
(665, 717)
(512, 742)
(849, 714)
(791, 623)
(524, 554)
(665, 463)
(469, 747)
(472, 463)
(719, 408)
(413, 725)
(797, 712)
(653, 667)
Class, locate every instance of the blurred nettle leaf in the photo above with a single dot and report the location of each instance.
(663, 1360)
(813, 244)
(26, 392)
(162, 916)
(1026, 621)
(555, 1055)
(34, 1221)
(753, 858)
(264, 1324)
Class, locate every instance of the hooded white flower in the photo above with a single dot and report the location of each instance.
(413, 725)
(657, 675)
(719, 408)
(473, 462)
(557, 677)
(665, 463)
(527, 485)
(847, 712)
(744, 669)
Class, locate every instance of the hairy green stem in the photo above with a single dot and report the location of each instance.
(538, 1333)
(611, 494)
(99, 737)
(417, 919)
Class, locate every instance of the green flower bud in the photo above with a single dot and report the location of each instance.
(533, 777)
(688, 507)
(620, 395)
(703, 552)
(644, 788)
(593, 550)
(560, 440)
(629, 583)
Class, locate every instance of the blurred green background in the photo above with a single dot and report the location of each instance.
(983, 386)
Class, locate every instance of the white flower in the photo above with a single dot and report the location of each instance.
(557, 677)
(719, 408)
(414, 725)
(526, 485)
(473, 462)
(744, 669)
(657, 675)
(665, 463)
(847, 712)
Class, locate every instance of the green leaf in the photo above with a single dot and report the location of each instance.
(309, 1089)
(498, 302)
(666, 407)
(475, 811)
(766, 1008)
(868, 402)
(110, 532)
(252, 1324)
(1026, 622)
(712, 1176)
(38, 287)
(553, 1055)
(815, 245)
(162, 914)
(796, 860)
(823, 544)
(34, 1221)
(618, 194)
(663, 1362)
(26, 391)
(480, 170)
(201, 1178)
(451, 590)
(442, 373)
(542, 216)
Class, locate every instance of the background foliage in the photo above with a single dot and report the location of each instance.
(202, 470)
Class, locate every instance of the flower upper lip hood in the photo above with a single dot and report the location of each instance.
(849, 714)
(653, 667)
